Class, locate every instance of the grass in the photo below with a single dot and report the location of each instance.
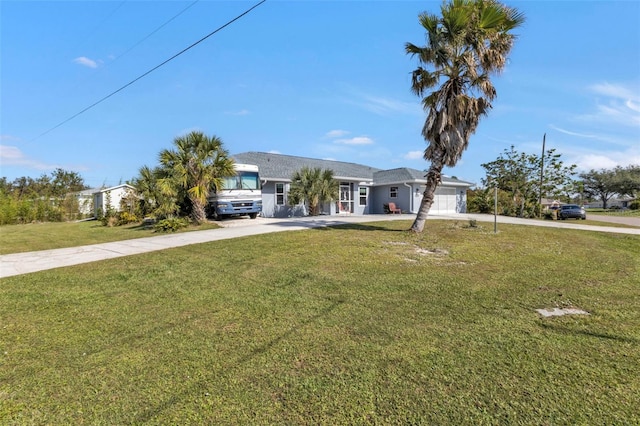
(590, 221)
(52, 235)
(359, 324)
(622, 213)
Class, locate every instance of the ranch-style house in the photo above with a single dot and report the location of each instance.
(363, 189)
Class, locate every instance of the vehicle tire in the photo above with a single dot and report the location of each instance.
(253, 215)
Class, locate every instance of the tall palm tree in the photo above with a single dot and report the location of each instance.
(314, 187)
(468, 43)
(197, 165)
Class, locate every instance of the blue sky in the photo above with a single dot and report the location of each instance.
(322, 79)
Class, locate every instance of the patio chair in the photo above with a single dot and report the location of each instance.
(393, 209)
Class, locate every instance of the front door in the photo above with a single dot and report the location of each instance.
(345, 205)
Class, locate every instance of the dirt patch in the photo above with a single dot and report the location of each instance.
(557, 312)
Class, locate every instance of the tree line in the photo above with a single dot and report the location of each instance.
(50, 197)
(522, 179)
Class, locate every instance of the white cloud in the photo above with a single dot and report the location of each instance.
(595, 161)
(591, 159)
(273, 151)
(9, 153)
(241, 112)
(13, 156)
(336, 133)
(620, 106)
(385, 106)
(615, 91)
(83, 60)
(632, 106)
(358, 140)
(414, 155)
(570, 133)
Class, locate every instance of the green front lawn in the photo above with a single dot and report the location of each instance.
(623, 213)
(52, 235)
(359, 324)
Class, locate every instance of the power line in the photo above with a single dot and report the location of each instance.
(154, 31)
(102, 23)
(151, 70)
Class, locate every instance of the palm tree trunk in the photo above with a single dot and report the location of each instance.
(434, 177)
(198, 213)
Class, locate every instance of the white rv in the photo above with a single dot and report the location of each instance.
(241, 194)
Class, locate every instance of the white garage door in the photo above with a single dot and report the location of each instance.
(445, 201)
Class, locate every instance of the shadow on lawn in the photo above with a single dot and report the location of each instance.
(568, 330)
(327, 225)
(152, 412)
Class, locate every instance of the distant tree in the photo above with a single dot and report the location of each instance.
(46, 198)
(627, 181)
(64, 182)
(518, 174)
(313, 187)
(600, 185)
(196, 165)
(604, 184)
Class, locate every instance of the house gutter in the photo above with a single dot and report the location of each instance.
(410, 196)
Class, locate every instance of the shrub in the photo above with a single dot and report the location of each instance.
(109, 221)
(634, 205)
(171, 224)
(126, 217)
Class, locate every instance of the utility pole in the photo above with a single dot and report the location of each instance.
(544, 137)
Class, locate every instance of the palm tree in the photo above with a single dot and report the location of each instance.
(469, 42)
(154, 198)
(314, 187)
(197, 165)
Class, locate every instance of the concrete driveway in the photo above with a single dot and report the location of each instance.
(23, 263)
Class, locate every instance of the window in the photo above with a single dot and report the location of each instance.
(363, 195)
(393, 192)
(280, 194)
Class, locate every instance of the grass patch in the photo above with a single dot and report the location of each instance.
(621, 213)
(358, 324)
(52, 235)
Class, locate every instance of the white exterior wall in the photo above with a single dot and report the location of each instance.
(114, 195)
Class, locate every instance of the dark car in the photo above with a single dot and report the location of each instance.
(571, 211)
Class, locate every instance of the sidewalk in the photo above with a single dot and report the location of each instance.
(23, 263)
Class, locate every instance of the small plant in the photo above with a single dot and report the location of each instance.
(172, 224)
(126, 217)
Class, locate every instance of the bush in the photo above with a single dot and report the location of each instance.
(171, 225)
(634, 205)
(126, 217)
(109, 221)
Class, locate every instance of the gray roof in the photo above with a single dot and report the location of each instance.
(406, 174)
(282, 167)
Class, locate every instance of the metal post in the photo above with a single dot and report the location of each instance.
(495, 210)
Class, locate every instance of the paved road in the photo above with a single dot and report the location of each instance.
(23, 263)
